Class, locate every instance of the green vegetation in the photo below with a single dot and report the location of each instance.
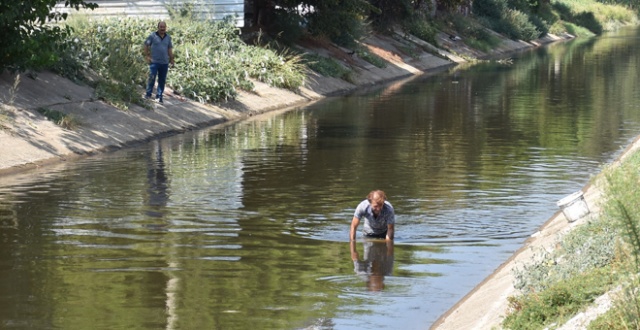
(374, 59)
(28, 41)
(4, 117)
(504, 17)
(559, 302)
(347, 22)
(422, 29)
(474, 33)
(5, 112)
(593, 15)
(59, 118)
(327, 67)
(623, 210)
(591, 260)
(343, 22)
(213, 62)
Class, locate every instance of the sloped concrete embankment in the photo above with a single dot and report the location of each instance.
(29, 140)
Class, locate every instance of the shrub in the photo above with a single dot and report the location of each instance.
(546, 13)
(588, 247)
(341, 25)
(540, 25)
(285, 70)
(422, 29)
(59, 118)
(327, 67)
(118, 94)
(577, 30)
(558, 302)
(112, 48)
(473, 32)
(371, 58)
(491, 9)
(588, 20)
(594, 16)
(212, 62)
(511, 22)
(287, 27)
(29, 40)
(516, 25)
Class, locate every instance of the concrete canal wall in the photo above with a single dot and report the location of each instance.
(29, 140)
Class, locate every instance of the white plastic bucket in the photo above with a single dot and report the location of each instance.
(574, 206)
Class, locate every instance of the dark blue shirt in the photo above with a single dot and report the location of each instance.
(159, 47)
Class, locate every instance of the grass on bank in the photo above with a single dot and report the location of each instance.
(7, 102)
(5, 119)
(327, 67)
(592, 259)
(593, 15)
(474, 34)
(60, 118)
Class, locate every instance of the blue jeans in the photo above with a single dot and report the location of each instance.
(159, 70)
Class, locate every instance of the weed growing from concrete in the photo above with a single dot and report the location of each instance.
(370, 57)
(4, 117)
(326, 66)
(559, 283)
(587, 247)
(472, 33)
(558, 302)
(7, 102)
(59, 118)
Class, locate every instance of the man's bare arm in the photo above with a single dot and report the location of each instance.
(354, 228)
(390, 232)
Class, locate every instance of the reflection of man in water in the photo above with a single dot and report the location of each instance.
(377, 263)
(158, 183)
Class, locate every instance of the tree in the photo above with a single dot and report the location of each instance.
(391, 12)
(30, 38)
(342, 21)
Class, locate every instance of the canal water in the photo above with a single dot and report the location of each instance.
(245, 226)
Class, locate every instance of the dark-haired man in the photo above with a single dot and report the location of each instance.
(158, 50)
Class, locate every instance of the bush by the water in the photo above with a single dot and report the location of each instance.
(499, 16)
(212, 62)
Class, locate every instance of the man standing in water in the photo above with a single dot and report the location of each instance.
(378, 214)
(158, 51)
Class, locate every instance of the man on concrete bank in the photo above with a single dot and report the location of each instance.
(158, 51)
(378, 214)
